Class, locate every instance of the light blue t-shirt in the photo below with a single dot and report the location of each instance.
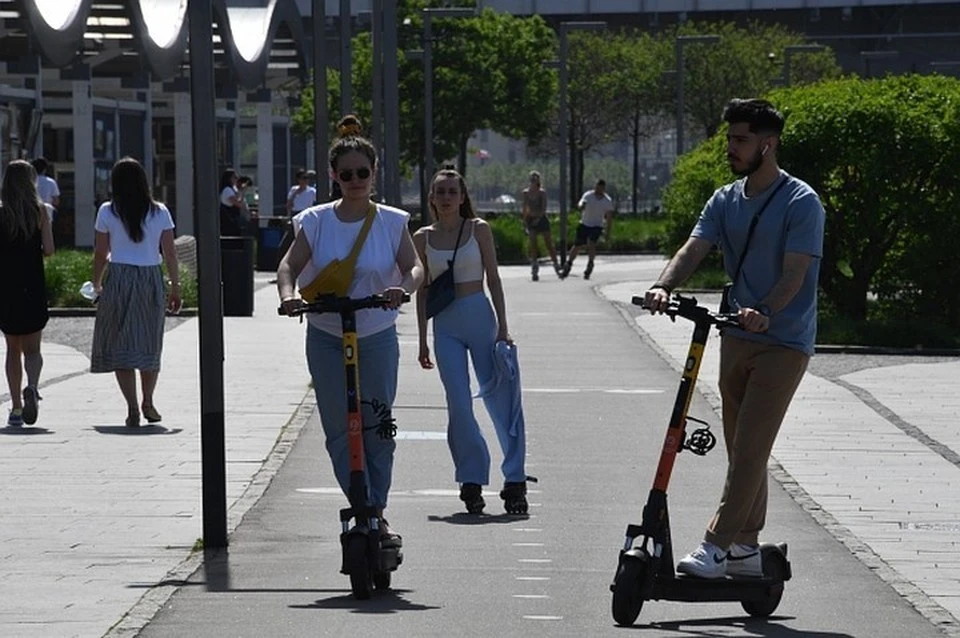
(792, 222)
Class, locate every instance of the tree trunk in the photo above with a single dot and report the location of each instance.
(462, 157)
(636, 160)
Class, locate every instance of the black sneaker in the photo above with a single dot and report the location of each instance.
(472, 496)
(30, 398)
(589, 270)
(535, 271)
(565, 271)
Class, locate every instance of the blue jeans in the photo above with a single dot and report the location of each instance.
(378, 358)
(469, 325)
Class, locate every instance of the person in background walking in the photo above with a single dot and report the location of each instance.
(231, 205)
(596, 217)
(25, 238)
(301, 196)
(536, 224)
(472, 325)
(46, 186)
(131, 230)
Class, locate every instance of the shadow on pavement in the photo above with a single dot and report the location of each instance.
(143, 430)
(24, 431)
(463, 518)
(388, 601)
(755, 626)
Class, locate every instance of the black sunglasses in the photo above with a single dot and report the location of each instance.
(347, 174)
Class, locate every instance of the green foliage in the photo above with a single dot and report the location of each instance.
(67, 270)
(740, 64)
(696, 176)
(881, 157)
(514, 96)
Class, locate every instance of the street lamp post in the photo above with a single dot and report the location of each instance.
(681, 42)
(346, 62)
(788, 52)
(320, 138)
(428, 16)
(564, 127)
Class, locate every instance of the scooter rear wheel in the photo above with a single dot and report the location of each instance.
(774, 568)
(627, 587)
(359, 565)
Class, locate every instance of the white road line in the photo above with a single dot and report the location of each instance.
(537, 578)
(532, 596)
(422, 435)
(595, 390)
(535, 560)
(528, 529)
(528, 544)
(542, 617)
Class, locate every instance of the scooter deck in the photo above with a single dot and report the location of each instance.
(726, 589)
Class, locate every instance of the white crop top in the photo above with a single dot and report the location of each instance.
(467, 267)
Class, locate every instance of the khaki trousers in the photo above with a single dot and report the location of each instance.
(757, 383)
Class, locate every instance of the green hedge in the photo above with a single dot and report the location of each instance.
(629, 235)
(66, 270)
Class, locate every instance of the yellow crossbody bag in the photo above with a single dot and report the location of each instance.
(336, 276)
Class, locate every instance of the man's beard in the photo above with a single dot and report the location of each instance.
(755, 162)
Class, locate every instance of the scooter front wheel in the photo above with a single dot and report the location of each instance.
(628, 587)
(359, 566)
(381, 580)
(774, 568)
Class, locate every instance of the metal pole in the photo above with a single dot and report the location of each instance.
(391, 105)
(320, 114)
(213, 455)
(564, 139)
(428, 98)
(376, 126)
(346, 62)
(679, 63)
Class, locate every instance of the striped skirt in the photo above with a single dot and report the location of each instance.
(128, 332)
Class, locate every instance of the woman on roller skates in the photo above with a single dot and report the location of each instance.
(470, 325)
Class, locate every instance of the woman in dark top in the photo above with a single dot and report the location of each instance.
(25, 238)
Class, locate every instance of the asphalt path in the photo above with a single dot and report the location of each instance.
(597, 399)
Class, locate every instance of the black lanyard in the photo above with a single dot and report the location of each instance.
(753, 227)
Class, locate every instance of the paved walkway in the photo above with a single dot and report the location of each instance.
(96, 514)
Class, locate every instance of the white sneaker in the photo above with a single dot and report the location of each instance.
(744, 561)
(706, 561)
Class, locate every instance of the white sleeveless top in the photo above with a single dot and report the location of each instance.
(467, 267)
(376, 268)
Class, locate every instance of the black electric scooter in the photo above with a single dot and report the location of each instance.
(365, 560)
(645, 570)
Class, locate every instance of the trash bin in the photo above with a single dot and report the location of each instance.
(236, 272)
(268, 246)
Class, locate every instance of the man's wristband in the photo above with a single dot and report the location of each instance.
(663, 287)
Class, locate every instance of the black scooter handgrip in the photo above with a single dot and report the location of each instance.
(639, 301)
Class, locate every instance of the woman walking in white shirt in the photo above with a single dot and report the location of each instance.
(131, 230)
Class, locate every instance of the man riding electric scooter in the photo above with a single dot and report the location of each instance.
(769, 227)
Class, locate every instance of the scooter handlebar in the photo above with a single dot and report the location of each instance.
(688, 308)
(332, 303)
